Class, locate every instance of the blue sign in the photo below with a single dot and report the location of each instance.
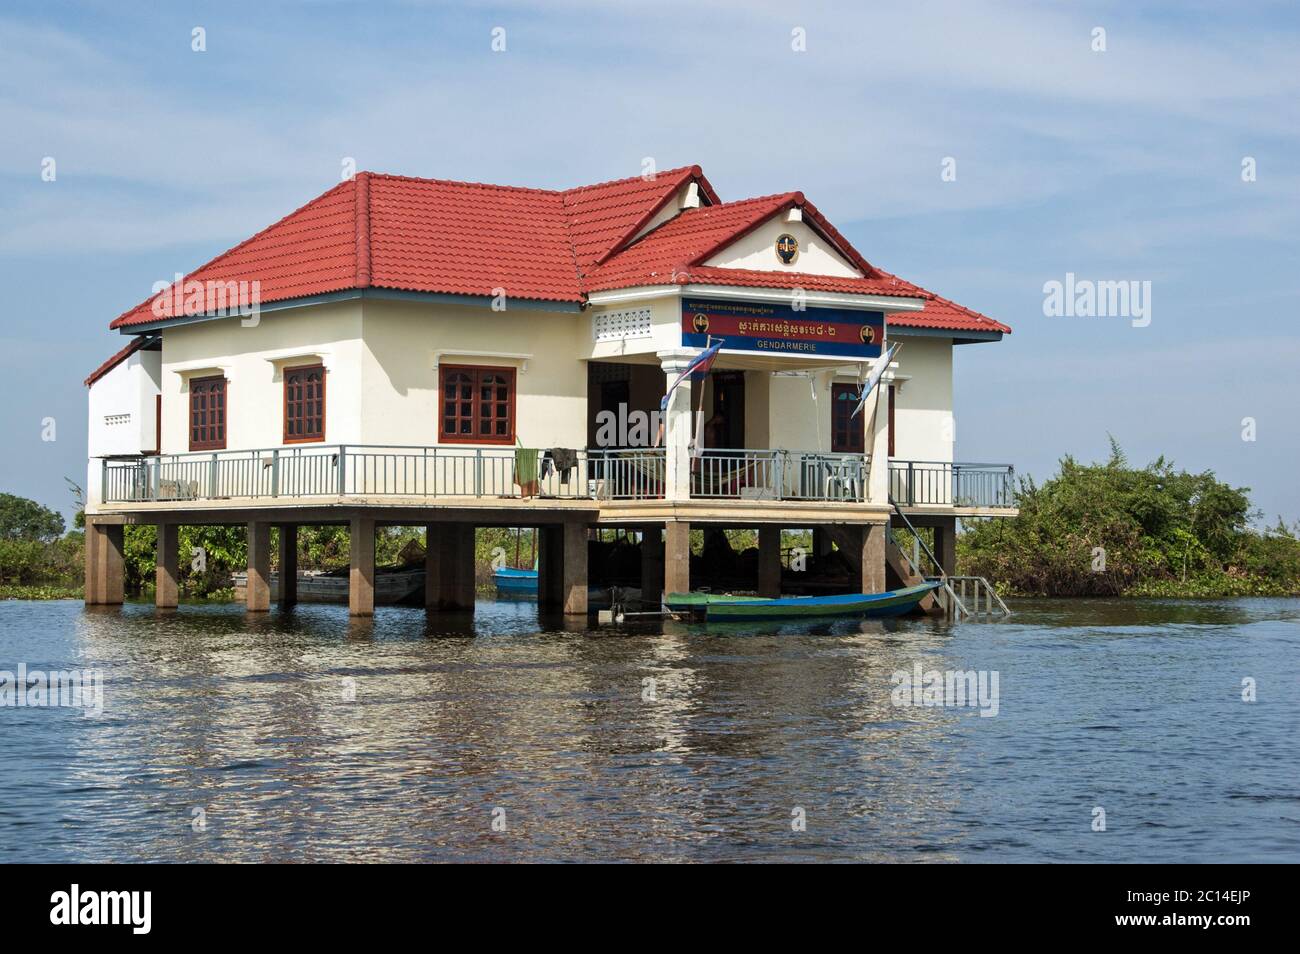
(779, 329)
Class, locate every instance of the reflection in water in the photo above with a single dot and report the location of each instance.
(303, 735)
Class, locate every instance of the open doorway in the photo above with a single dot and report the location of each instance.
(726, 427)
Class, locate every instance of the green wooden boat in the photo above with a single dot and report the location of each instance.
(859, 605)
(696, 605)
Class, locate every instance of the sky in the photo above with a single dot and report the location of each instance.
(1170, 157)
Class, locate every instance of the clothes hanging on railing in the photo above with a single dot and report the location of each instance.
(526, 470)
(562, 459)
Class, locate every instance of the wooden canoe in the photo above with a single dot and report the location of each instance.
(859, 605)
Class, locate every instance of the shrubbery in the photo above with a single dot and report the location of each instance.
(1112, 529)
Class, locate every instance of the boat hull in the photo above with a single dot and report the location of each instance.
(512, 582)
(856, 605)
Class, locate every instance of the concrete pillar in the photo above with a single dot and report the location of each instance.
(90, 564)
(769, 562)
(821, 542)
(574, 592)
(361, 575)
(878, 445)
(678, 426)
(449, 566)
(652, 563)
(105, 566)
(873, 558)
(945, 545)
(677, 557)
(460, 583)
(257, 594)
(550, 567)
(288, 564)
(167, 574)
(432, 567)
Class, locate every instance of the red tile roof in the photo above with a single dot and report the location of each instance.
(688, 238)
(943, 315)
(604, 216)
(465, 238)
(469, 239)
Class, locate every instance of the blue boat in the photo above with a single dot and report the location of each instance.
(512, 582)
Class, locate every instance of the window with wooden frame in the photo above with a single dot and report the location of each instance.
(208, 413)
(477, 405)
(304, 404)
(848, 433)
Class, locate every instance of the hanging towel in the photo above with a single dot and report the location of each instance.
(526, 470)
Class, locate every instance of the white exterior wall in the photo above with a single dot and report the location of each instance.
(923, 412)
(665, 329)
(122, 414)
(800, 410)
(404, 343)
(757, 250)
(252, 360)
(382, 360)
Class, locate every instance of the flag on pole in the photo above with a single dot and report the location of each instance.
(874, 378)
(700, 364)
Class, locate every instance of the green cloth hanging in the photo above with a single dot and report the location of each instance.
(526, 466)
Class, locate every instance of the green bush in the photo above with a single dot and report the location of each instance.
(1163, 531)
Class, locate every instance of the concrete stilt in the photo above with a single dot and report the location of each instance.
(449, 566)
(652, 564)
(945, 545)
(105, 566)
(550, 567)
(90, 562)
(873, 558)
(821, 542)
(769, 562)
(677, 557)
(460, 583)
(432, 567)
(288, 564)
(574, 591)
(361, 575)
(167, 574)
(257, 594)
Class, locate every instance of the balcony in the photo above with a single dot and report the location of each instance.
(937, 484)
(391, 472)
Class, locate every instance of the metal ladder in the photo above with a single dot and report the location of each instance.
(955, 606)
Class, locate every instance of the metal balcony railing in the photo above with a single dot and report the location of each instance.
(331, 470)
(334, 470)
(780, 475)
(936, 483)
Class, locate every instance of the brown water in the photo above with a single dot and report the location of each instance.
(1134, 707)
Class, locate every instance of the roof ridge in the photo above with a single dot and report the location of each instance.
(694, 170)
(361, 225)
(462, 182)
(797, 196)
(629, 235)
